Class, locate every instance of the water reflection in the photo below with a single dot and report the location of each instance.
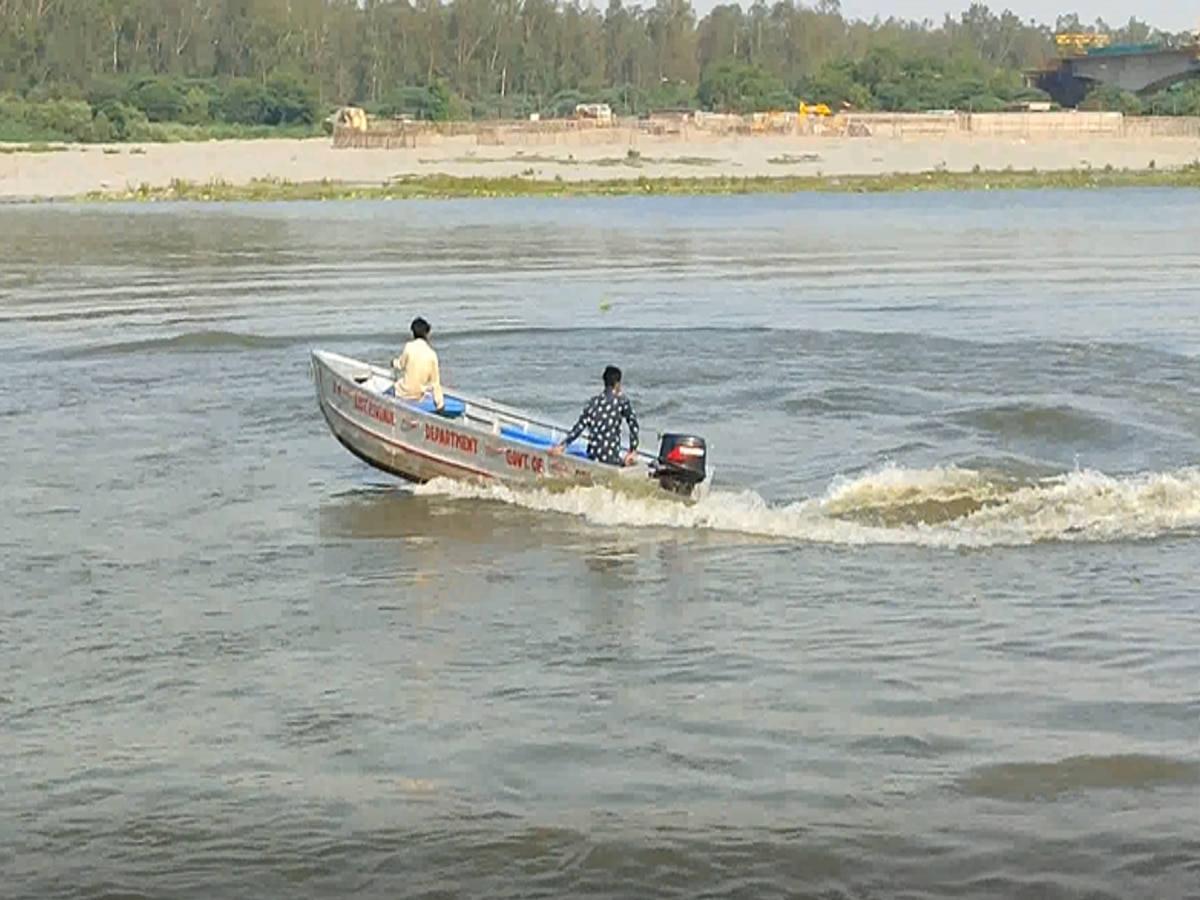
(613, 562)
(101, 237)
(397, 513)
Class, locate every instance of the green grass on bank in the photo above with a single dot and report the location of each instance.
(16, 137)
(32, 147)
(73, 124)
(448, 187)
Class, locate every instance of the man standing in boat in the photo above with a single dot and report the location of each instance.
(602, 418)
(418, 367)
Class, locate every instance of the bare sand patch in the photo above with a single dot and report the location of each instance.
(79, 170)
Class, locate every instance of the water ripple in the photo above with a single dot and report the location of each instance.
(929, 635)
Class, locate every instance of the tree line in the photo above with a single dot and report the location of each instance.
(135, 64)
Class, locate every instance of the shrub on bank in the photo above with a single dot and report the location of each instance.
(157, 109)
(54, 120)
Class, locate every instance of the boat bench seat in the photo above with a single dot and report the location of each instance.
(452, 407)
(541, 441)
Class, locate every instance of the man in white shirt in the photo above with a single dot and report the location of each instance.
(418, 367)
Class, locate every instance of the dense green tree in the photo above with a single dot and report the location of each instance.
(732, 85)
(130, 64)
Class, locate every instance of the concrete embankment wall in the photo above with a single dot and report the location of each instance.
(1066, 125)
(1033, 126)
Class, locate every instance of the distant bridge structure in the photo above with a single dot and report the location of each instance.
(1087, 60)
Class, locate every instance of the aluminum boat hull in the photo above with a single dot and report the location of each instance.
(474, 439)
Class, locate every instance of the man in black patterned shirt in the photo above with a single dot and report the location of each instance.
(602, 418)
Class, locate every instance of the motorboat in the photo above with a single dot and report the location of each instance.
(479, 440)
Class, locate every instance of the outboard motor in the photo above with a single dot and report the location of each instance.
(681, 462)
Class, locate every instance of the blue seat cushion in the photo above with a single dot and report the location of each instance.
(452, 407)
(578, 448)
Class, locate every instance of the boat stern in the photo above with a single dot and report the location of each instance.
(681, 464)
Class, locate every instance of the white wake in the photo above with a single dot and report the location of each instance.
(947, 507)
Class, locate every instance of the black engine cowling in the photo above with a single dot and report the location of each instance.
(681, 463)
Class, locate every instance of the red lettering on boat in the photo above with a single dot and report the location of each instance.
(517, 459)
(439, 434)
(375, 410)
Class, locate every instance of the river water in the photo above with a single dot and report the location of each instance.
(932, 633)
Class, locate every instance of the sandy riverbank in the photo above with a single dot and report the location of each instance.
(78, 170)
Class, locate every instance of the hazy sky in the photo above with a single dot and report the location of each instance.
(1169, 15)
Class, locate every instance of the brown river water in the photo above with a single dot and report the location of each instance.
(933, 632)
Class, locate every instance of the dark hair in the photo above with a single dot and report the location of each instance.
(420, 328)
(612, 377)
